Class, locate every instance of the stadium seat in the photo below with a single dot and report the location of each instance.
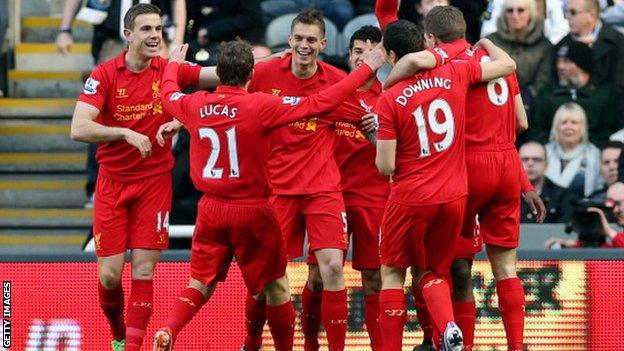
(355, 24)
(277, 32)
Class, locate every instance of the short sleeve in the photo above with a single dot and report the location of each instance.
(386, 118)
(445, 52)
(470, 70)
(96, 89)
(514, 86)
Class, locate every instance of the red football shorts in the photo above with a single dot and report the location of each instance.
(363, 225)
(321, 215)
(421, 236)
(131, 215)
(247, 231)
(494, 189)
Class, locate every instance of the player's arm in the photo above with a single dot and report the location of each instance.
(522, 121)
(501, 64)
(84, 128)
(386, 12)
(179, 20)
(408, 65)
(386, 156)
(173, 100)
(289, 109)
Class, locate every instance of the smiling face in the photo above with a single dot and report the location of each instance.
(357, 52)
(145, 37)
(517, 15)
(306, 42)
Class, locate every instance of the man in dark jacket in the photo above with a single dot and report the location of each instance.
(601, 101)
(557, 199)
(608, 44)
(214, 21)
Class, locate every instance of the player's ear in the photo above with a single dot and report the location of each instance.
(323, 43)
(127, 34)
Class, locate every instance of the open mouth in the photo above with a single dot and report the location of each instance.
(152, 45)
(304, 54)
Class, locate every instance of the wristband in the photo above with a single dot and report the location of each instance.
(67, 30)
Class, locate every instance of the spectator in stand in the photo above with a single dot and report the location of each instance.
(214, 21)
(551, 11)
(608, 44)
(416, 10)
(614, 238)
(574, 162)
(338, 11)
(601, 101)
(185, 195)
(520, 32)
(614, 15)
(609, 164)
(557, 199)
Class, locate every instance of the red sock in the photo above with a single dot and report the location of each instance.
(140, 308)
(255, 315)
(371, 319)
(423, 314)
(392, 317)
(282, 323)
(511, 306)
(185, 307)
(465, 313)
(112, 304)
(334, 315)
(437, 295)
(310, 318)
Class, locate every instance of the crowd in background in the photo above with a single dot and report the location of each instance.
(569, 53)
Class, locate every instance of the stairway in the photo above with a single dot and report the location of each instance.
(42, 171)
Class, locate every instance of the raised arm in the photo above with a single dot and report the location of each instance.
(291, 109)
(179, 20)
(64, 39)
(386, 12)
(501, 63)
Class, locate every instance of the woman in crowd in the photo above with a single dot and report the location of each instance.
(520, 32)
(574, 162)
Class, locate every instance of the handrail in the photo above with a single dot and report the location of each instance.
(16, 21)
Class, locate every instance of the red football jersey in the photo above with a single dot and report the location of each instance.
(426, 114)
(132, 100)
(228, 130)
(301, 154)
(490, 109)
(362, 184)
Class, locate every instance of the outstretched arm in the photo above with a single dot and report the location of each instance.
(386, 12)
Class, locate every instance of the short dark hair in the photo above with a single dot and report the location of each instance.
(310, 17)
(234, 62)
(365, 33)
(402, 37)
(137, 10)
(612, 144)
(446, 23)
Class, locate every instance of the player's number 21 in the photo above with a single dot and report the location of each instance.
(210, 171)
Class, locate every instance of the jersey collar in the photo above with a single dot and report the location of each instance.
(320, 70)
(230, 90)
(120, 61)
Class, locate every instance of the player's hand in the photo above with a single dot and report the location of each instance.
(536, 205)
(140, 141)
(284, 53)
(64, 42)
(483, 43)
(369, 123)
(374, 58)
(178, 53)
(606, 228)
(167, 130)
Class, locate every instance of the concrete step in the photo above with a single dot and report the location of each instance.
(42, 191)
(42, 237)
(35, 8)
(45, 218)
(43, 162)
(45, 84)
(43, 29)
(36, 108)
(44, 56)
(38, 136)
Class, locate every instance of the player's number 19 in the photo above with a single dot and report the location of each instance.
(446, 127)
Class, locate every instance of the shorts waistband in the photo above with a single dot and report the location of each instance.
(239, 202)
(490, 148)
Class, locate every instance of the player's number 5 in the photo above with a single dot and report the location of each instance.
(210, 171)
(446, 127)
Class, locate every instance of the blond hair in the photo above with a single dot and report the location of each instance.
(577, 111)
